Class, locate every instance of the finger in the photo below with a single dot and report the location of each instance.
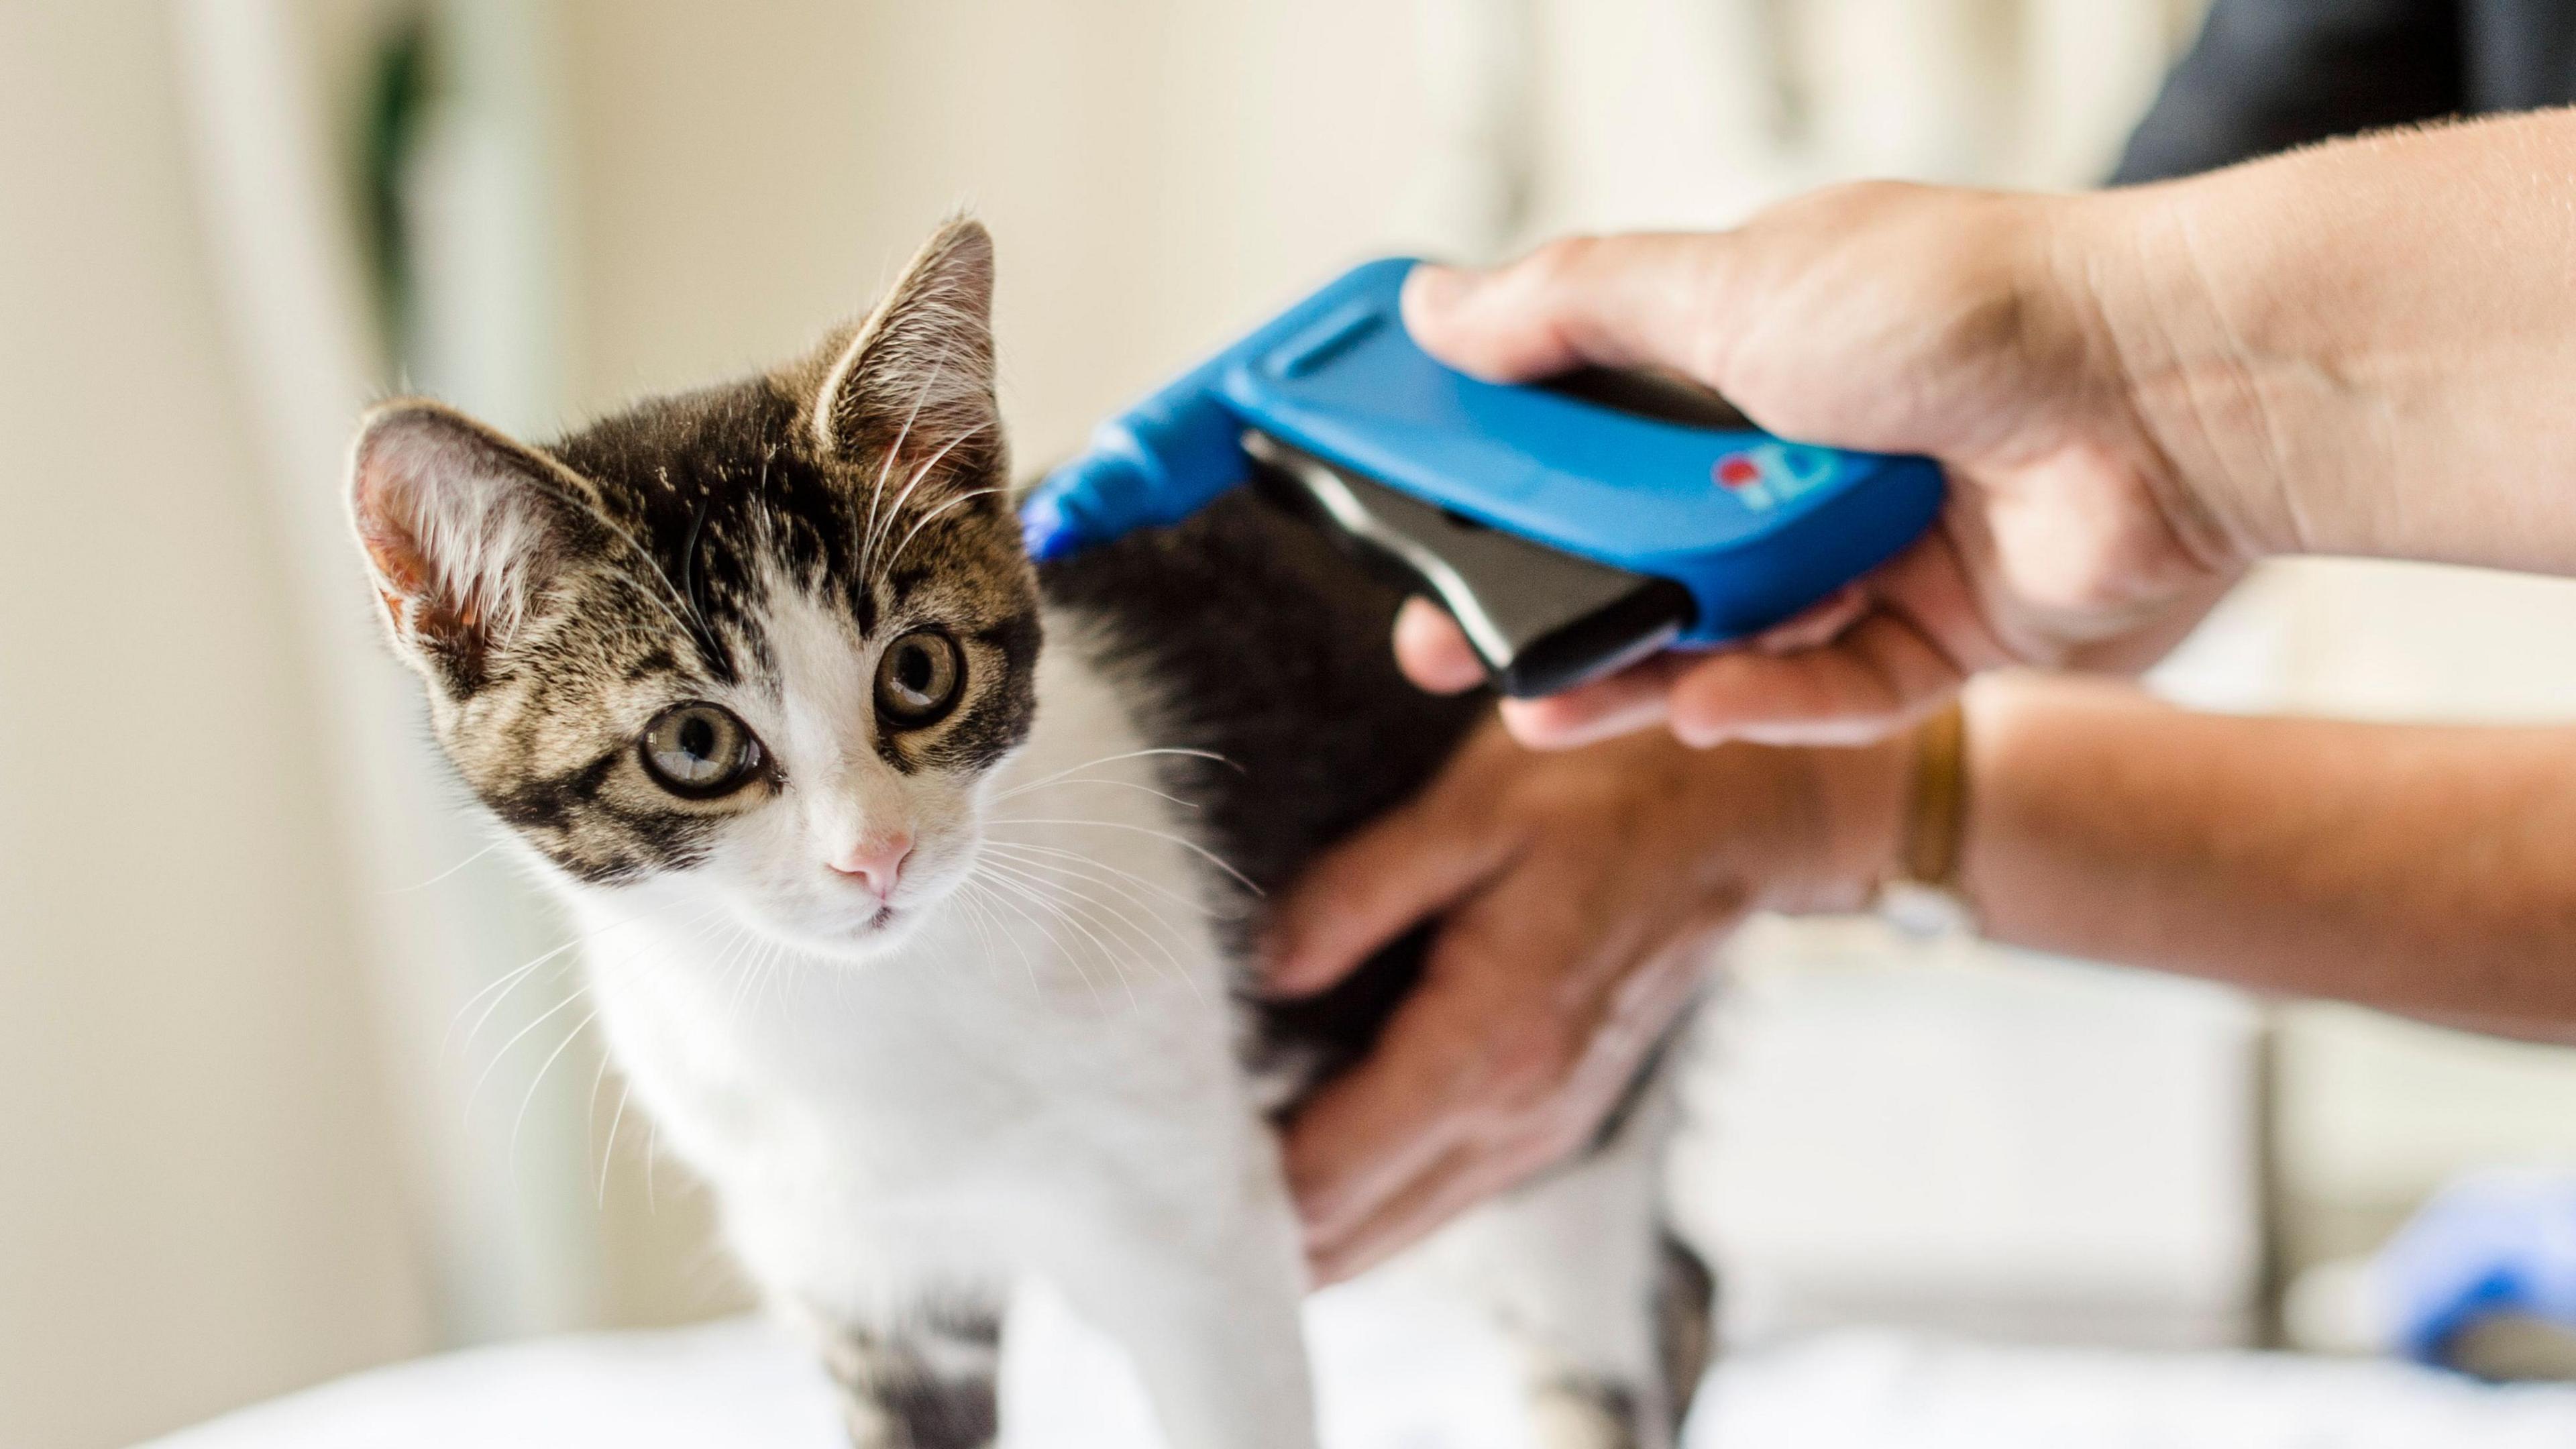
(1484, 1152)
(1456, 1182)
(1405, 867)
(1817, 625)
(1471, 1051)
(1628, 701)
(1482, 1166)
(1864, 686)
(1623, 301)
(1433, 651)
(1928, 586)
(1452, 1184)
(1368, 1133)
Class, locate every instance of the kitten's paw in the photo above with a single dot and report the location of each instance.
(930, 1416)
(932, 1387)
(1580, 1413)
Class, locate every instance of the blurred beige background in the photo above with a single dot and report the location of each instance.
(251, 1134)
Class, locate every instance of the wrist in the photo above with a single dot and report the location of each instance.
(1856, 805)
(2162, 361)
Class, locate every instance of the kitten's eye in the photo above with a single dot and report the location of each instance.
(918, 679)
(700, 751)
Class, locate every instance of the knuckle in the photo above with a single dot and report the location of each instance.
(1875, 191)
(1537, 1065)
(1847, 201)
(1466, 944)
(1453, 1068)
(1564, 1135)
(1560, 261)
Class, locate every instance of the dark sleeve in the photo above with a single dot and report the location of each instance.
(2266, 75)
(2521, 54)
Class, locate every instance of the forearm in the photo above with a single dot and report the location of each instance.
(2365, 348)
(2430, 871)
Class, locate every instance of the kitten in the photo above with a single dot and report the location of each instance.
(925, 944)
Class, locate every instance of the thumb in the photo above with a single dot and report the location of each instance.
(1365, 892)
(1642, 300)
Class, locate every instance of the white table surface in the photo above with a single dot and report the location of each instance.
(1400, 1369)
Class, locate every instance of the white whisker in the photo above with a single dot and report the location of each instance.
(1184, 842)
(868, 546)
(1022, 847)
(542, 1018)
(969, 496)
(590, 1116)
(723, 968)
(1123, 890)
(1071, 958)
(540, 1078)
(1098, 780)
(444, 874)
(504, 984)
(1210, 755)
(1044, 890)
(608, 1154)
(989, 899)
(918, 474)
(1105, 913)
(970, 894)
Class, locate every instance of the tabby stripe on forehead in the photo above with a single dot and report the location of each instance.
(902, 585)
(719, 660)
(863, 606)
(657, 661)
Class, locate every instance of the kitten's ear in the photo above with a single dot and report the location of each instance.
(462, 528)
(917, 375)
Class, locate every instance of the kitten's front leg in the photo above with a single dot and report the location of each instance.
(927, 1382)
(1203, 1290)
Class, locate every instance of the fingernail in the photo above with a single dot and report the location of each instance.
(1276, 969)
(1438, 288)
(1700, 736)
(1540, 728)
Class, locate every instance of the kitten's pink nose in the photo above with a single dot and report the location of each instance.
(876, 861)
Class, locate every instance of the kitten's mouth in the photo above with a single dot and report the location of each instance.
(882, 919)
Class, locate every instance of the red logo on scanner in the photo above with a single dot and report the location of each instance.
(1742, 476)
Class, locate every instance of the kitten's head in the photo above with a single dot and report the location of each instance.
(754, 649)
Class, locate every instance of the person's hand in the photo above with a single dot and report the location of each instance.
(1576, 893)
(1888, 317)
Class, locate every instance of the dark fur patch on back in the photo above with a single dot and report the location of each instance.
(1270, 649)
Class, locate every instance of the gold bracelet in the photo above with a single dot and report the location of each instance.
(1924, 897)
(1936, 804)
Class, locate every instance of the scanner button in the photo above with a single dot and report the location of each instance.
(1335, 333)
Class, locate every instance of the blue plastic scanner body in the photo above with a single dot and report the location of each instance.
(1413, 458)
